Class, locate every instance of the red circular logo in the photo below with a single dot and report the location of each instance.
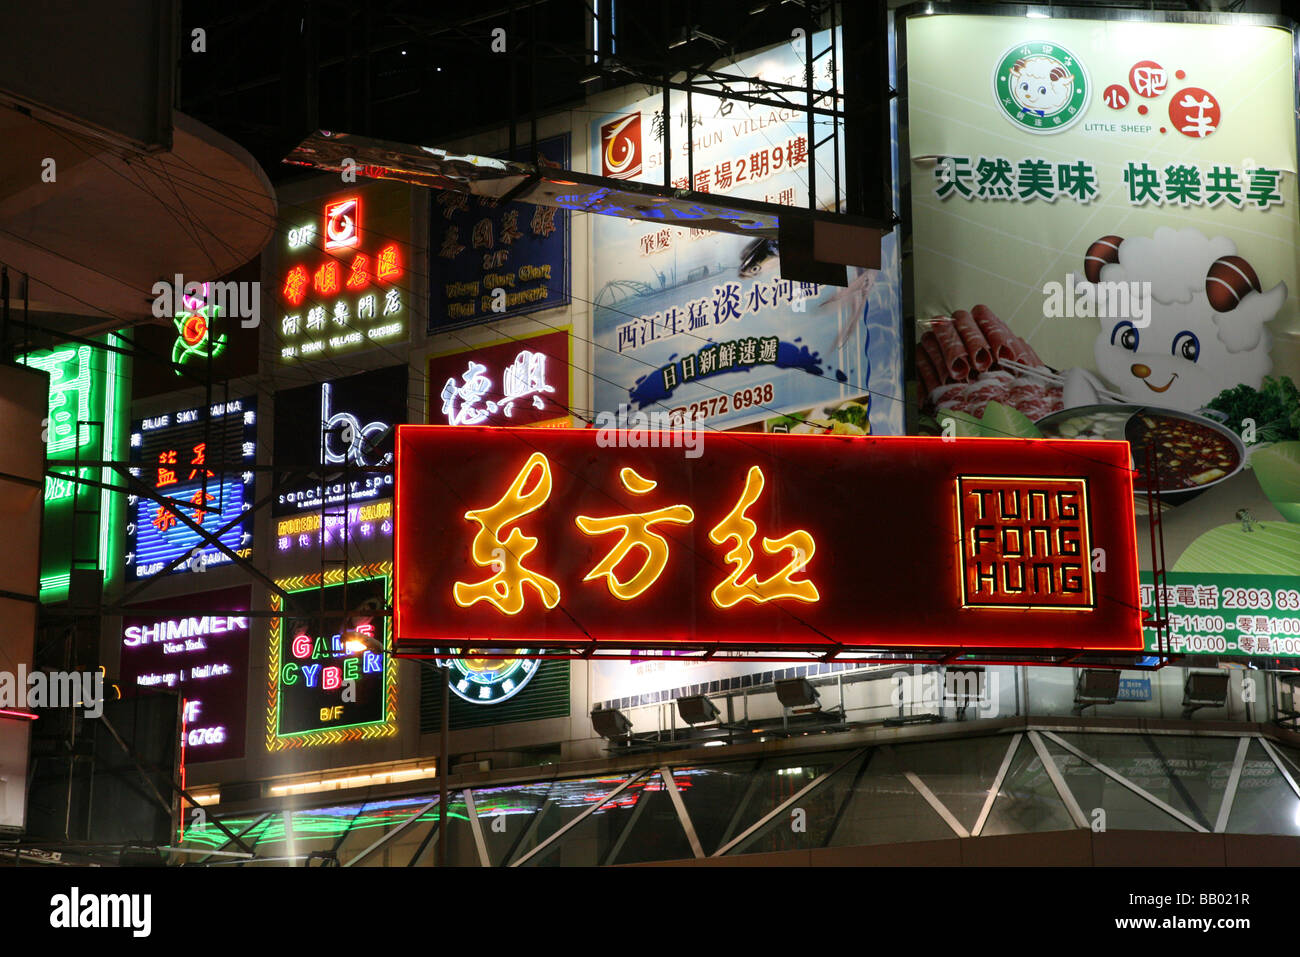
(1148, 78)
(195, 328)
(1194, 112)
(1115, 96)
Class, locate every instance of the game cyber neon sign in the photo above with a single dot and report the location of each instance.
(201, 461)
(331, 679)
(340, 289)
(539, 538)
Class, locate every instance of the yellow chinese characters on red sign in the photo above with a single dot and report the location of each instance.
(505, 588)
(1025, 542)
(505, 555)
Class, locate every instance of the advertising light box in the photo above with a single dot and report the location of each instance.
(343, 273)
(582, 538)
(1104, 230)
(87, 420)
(342, 425)
(202, 656)
(330, 680)
(479, 246)
(520, 381)
(200, 459)
(700, 324)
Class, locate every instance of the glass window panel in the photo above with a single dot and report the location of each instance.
(1265, 803)
(1094, 791)
(209, 837)
(821, 809)
(715, 799)
(462, 851)
(565, 800)
(1027, 800)
(591, 842)
(376, 819)
(655, 832)
(398, 851)
(884, 808)
(775, 781)
(506, 814)
(1187, 773)
(959, 772)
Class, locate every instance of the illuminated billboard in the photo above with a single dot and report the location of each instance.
(342, 279)
(490, 260)
(200, 459)
(345, 426)
(330, 679)
(87, 421)
(310, 531)
(1104, 234)
(701, 324)
(202, 655)
(524, 380)
(598, 538)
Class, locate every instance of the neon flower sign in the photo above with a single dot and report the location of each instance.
(194, 330)
(541, 538)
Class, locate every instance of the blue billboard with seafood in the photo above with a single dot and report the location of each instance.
(700, 325)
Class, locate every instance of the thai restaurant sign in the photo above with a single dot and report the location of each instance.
(564, 538)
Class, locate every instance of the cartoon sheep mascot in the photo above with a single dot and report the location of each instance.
(1040, 86)
(1206, 328)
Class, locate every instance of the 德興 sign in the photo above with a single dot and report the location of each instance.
(541, 538)
(519, 381)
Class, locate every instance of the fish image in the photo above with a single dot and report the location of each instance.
(755, 255)
(854, 296)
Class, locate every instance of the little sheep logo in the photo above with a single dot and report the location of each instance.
(1041, 87)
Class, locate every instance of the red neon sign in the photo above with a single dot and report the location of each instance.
(1025, 542)
(343, 223)
(564, 539)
